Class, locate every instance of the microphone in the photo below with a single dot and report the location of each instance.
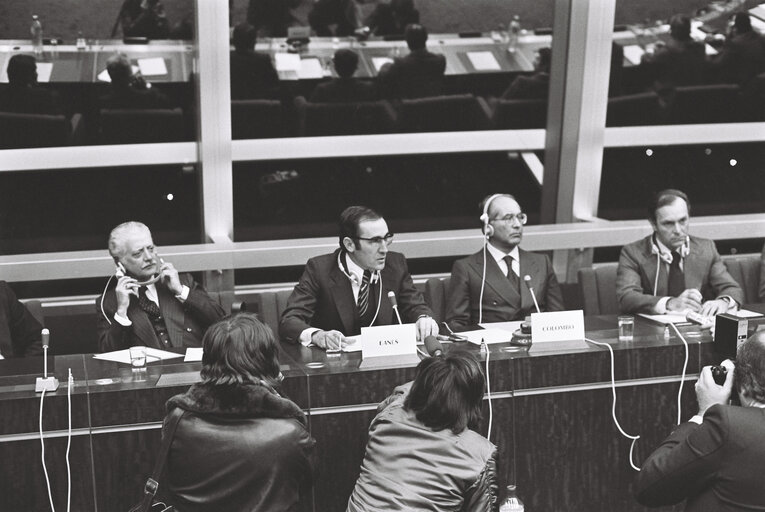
(392, 299)
(433, 346)
(45, 383)
(527, 280)
(697, 318)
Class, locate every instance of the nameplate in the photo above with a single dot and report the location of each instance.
(557, 326)
(388, 340)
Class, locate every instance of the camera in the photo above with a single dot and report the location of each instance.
(719, 373)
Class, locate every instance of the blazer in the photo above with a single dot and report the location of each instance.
(19, 330)
(252, 76)
(703, 269)
(186, 322)
(323, 298)
(501, 302)
(717, 465)
(416, 75)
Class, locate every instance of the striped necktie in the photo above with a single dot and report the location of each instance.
(363, 302)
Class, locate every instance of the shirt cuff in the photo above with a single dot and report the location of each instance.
(184, 294)
(732, 304)
(123, 321)
(661, 307)
(696, 419)
(305, 336)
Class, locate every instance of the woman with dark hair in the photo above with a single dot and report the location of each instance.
(422, 453)
(239, 446)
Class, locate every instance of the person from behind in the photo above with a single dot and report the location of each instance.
(240, 445)
(715, 460)
(345, 88)
(671, 271)
(391, 18)
(143, 18)
(252, 74)
(679, 62)
(424, 452)
(535, 86)
(151, 304)
(23, 95)
(418, 74)
(20, 332)
(127, 90)
(500, 270)
(742, 57)
(271, 18)
(334, 17)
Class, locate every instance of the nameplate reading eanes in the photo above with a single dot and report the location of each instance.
(395, 344)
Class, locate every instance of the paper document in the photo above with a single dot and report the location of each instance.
(123, 356)
(310, 68)
(104, 75)
(379, 62)
(287, 61)
(709, 50)
(483, 61)
(745, 313)
(670, 318)
(44, 70)
(488, 335)
(633, 53)
(511, 327)
(153, 66)
(354, 344)
(193, 354)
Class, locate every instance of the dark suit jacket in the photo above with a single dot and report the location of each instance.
(19, 331)
(677, 63)
(762, 275)
(533, 87)
(344, 90)
(501, 302)
(741, 58)
(186, 322)
(716, 466)
(703, 270)
(132, 97)
(416, 75)
(323, 298)
(29, 100)
(252, 76)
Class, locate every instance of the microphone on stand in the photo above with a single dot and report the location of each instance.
(433, 346)
(45, 383)
(392, 299)
(527, 280)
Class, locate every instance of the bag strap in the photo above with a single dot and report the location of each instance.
(152, 483)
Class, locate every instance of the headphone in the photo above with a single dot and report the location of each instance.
(374, 278)
(666, 257)
(488, 229)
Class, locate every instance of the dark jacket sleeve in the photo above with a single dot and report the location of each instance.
(301, 305)
(410, 299)
(111, 335)
(458, 297)
(686, 462)
(482, 495)
(24, 328)
(629, 289)
(720, 280)
(200, 305)
(553, 299)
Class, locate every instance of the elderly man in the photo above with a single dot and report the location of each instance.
(670, 271)
(128, 90)
(151, 304)
(20, 333)
(342, 292)
(716, 460)
(498, 270)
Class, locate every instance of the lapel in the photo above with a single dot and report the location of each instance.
(172, 312)
(386, 315)
(495, 279)
(142, 328)
(342, 297)
(649, 268)
(529, 267)
(694, 267)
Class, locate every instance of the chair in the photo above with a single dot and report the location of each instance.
(258, 119)
(705, 104)
(436, 292)
(35, 309)
(272, 305)
(37, 131)
(519, 114)
(745, 269)
(359, 118)
(136, 126)
(598, 288)
(463, 112)
(227, 300)
(633, 110)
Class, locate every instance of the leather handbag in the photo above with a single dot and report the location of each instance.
(147, 503)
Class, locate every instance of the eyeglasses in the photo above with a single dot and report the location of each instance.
(378, 240)
(520, 217)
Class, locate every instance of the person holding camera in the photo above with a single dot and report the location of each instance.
(128, 90)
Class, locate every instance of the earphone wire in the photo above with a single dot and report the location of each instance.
(488, 393)
(42, 453)
(103, 294)
(685, 367)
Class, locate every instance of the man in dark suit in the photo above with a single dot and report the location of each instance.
(341, 292)
(416, 75)
(532, 87)
(505, 296)
(742, 57)
(20, 333)
(23, 95)
(679, 62)
(715, 461)
(127, 90)
(252, 74)
(345, 88)
(151, 303)
(143, 18)
(762, 275)
(672, 271)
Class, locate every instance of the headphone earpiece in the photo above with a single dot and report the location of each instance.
(487, 229)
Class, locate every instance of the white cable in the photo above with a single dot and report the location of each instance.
(488, 392)
(42, 450)
(685, 366)
(69, 443)
(483, 283)
(102, 299)
(613, 402)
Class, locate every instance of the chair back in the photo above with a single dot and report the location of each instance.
(272, 305)
(258, 119)
(745, 269)
(436, 290)
(33, 131)
(137, 126)
(633, 110)
(519, 114)
(356, 118)
(598, 288)
(462, 112)
(705, 104)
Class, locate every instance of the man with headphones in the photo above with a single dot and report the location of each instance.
(494, 284)
(342, 292)
(151, 304)
(670, 271)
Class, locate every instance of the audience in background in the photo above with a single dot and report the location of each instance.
(143, 18)
(345, 88)
(271, 18)
(252, 74)
(532, 87)
(23, 95)
(392, 18)
(418, 74)
(334, 17)
(128, 90)
(742, 57)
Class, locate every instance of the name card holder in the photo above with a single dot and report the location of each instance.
(389, 346)
(557, 326)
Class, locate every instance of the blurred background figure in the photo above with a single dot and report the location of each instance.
(334, 17)
(271, 18)
(391, 18)
(534, 86)
(128, 90)
(416, 75)
(252, 74)
(23, 95)
(742, 57)
(345, 88)
(142, 18)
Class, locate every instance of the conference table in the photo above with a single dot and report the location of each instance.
(551, 409)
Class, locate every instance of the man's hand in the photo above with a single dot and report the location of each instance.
(713, 307)
(689, 299)
(170, 278)
(708, 392)
(426, 326)
(126, 286)
(329, 340)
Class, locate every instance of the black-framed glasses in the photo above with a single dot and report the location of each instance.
(509, 218)
(378, 240)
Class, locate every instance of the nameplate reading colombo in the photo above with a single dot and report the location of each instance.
(557, 326)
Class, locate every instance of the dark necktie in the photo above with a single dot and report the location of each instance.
(363, 301)
(512, 276)
(676, 282)
(148, 305)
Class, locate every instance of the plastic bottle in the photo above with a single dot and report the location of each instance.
(512, 502)
(667, 334)
(37, 36)
(513, 34)
(80, 41)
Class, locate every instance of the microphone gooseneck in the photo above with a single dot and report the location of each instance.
(527, 280)
(394, 304)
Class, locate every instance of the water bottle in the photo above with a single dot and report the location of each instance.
(37, 36)
(80, 41)
(512, 502)
(513, 34)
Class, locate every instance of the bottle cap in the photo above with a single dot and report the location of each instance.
(511, 488)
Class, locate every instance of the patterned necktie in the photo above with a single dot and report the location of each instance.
(676, 282)
(363, 301)
(515, 282)
(148, 305)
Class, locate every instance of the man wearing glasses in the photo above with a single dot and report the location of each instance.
(502, 270)
(342, 292)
